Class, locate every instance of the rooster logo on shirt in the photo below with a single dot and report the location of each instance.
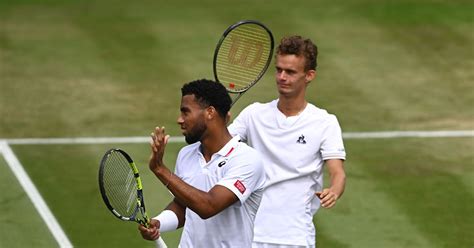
(301, 140)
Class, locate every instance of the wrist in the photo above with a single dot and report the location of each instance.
(164, 174)
(168, 221)
(160, 170)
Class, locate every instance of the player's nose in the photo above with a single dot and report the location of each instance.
(180, 120)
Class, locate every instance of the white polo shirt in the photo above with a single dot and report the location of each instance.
(237, 167)
(294, 150)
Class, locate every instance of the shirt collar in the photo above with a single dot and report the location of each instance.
(229, 147)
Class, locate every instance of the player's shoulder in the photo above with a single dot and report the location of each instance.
(320, 113)
(256, 107)
(246, 149)
(249, 158)
(246, 152)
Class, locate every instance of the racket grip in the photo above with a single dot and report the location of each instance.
(160, 243)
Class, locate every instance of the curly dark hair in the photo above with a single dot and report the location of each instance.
(209, 93)
(299, 46)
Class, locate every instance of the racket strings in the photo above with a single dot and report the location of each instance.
(248, 40)
(120, 185)
(243, 56)
(249, 65)
(129, 186)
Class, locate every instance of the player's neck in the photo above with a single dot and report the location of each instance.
(291, 106)
(214, 141)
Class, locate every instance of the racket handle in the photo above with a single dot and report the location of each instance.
(160, 243)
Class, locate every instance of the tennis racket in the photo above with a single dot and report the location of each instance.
(121, 188)
(242, 56)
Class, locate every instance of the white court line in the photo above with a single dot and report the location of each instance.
(347, 135)
(34, 195)
(408, 134)
(86, 140)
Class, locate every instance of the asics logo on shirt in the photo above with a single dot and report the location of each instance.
(301, 140)
(222, 163)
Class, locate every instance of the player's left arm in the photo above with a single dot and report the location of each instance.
(204, 204)
(329, 196)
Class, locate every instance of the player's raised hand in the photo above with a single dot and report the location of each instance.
(158, 143)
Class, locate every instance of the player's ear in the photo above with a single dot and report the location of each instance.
(310, 75)
(210, 112)
(227, 118)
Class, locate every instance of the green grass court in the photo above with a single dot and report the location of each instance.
(111, 68)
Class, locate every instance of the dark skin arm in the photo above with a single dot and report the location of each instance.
(205, 204)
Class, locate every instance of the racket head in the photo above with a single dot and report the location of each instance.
(243, 55)
(121, 187)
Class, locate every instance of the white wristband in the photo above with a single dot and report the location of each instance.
(168, 221)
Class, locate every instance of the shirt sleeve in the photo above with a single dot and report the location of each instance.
(239, 125)
(244, 174)
(332, 146)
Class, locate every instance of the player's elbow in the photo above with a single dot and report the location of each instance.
(206, 212)
(205, 216)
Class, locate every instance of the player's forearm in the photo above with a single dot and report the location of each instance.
(197, 200)
(338, 183)
(337, 175)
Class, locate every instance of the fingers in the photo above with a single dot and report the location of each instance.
(158, 137)
(318, 194)
(327, 197)
(150, 233)
(152, 144)
(154, 223)
(157, 144)
(159, 132)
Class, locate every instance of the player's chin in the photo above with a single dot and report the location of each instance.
(284, 91)
(190, 139)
